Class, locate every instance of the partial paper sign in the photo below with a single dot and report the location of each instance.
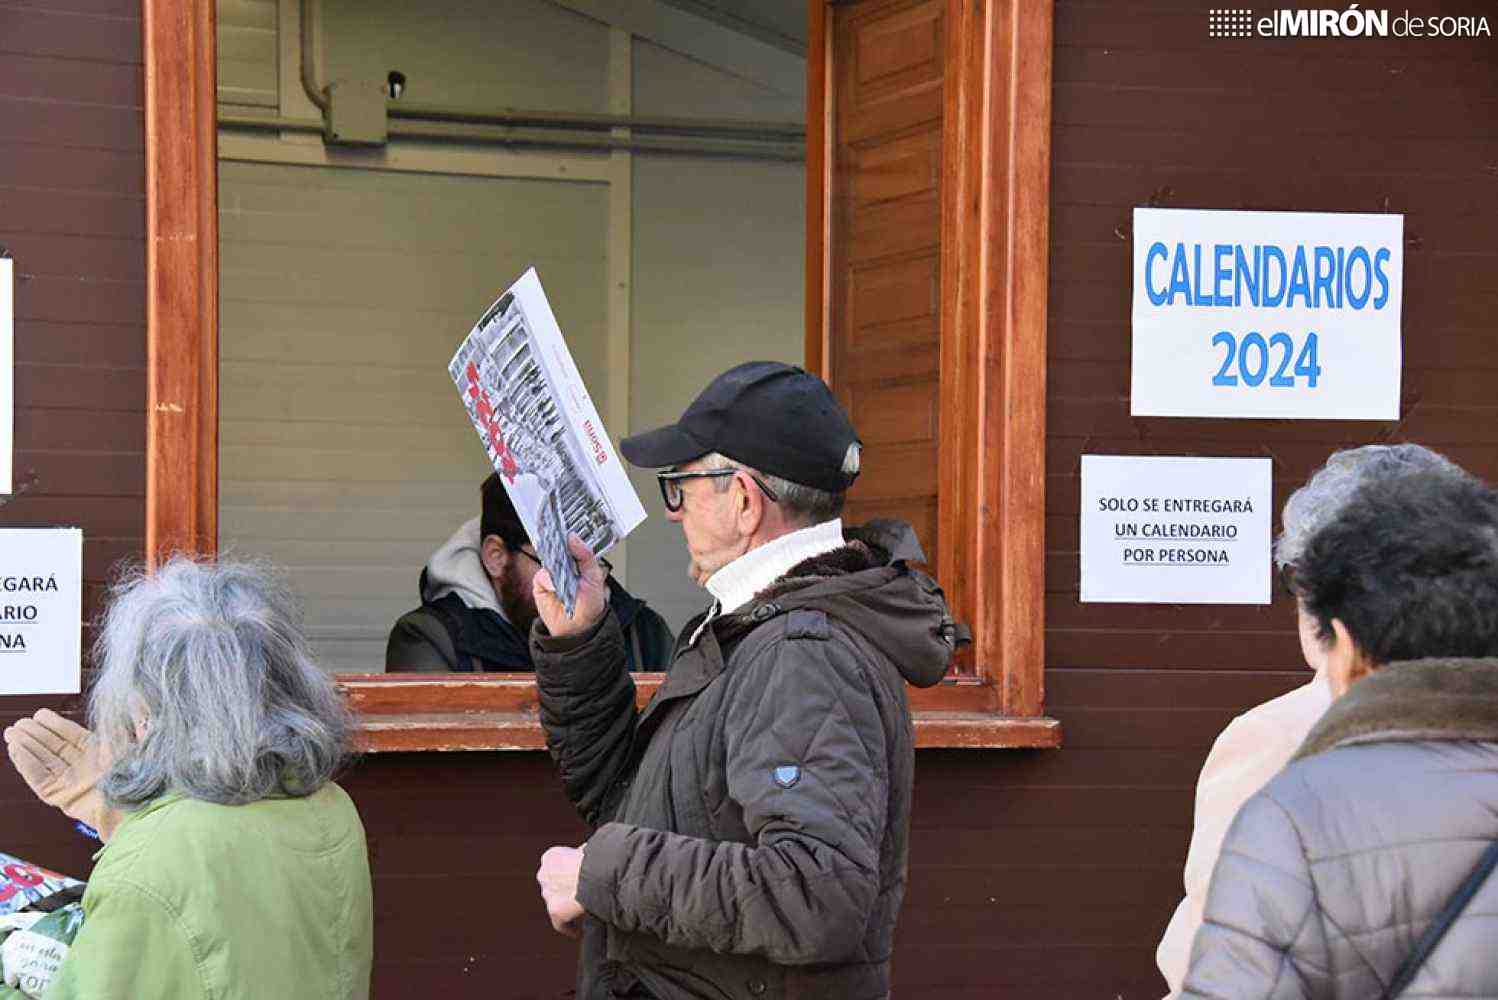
(1167, 530)
(542, 432)
(1267, 314)
(41, 610)
(7, 371)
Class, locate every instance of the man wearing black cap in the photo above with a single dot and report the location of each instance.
(751, 823)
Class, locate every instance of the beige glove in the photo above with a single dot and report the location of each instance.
(62, 762)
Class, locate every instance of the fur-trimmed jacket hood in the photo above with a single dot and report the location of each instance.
(1333, 871)
(872, 584)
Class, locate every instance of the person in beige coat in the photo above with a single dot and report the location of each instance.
(1364, 869)
(1258, 744)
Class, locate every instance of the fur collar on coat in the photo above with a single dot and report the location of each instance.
(1451, 699)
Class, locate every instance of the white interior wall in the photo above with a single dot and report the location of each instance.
(527, 54)
(247, 53)
(718, 279)
(350, 475)
(345, 455)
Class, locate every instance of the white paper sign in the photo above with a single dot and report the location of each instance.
(1175, 530)
(7, 369)
(1267, 314)
(41, 610)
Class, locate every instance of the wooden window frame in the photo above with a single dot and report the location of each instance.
(1003, 284)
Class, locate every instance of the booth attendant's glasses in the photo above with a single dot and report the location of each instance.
(670, 483)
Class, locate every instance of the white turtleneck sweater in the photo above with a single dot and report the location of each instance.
(735, 585)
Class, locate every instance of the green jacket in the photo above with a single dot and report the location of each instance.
(195, 900)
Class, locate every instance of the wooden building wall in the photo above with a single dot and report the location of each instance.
(1048, 875)
(72, 214)
(1063, 867)
(1051, 874)
(1044, 874)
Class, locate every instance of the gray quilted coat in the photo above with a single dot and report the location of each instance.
(752, 822)
(1330, 874)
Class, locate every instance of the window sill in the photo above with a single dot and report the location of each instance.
(418, 712)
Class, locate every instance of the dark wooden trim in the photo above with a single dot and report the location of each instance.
(499, 712)
(961, 250)
(819, 160)
(181, 278)
(427, 694)
(996, 176)
(426, 712)
(509, 731)
(1016, 212)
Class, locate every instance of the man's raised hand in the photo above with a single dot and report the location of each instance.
(592, 594)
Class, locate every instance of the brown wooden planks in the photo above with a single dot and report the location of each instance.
(884, 232)
(181, 279)
(71, 215)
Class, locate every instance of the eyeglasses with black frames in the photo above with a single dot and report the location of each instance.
(672, 495)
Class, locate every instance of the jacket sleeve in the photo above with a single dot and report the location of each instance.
(132, 944)
(1254, 748)
(1261, 933)
(801, 711)
(419, 643)
(588, 711)
(1243, 759)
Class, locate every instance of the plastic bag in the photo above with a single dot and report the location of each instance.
(40, 914)
(32, 955)
(23, 885)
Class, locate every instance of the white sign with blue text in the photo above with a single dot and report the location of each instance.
(1175, 530)
(1278, 315)
(41, 610)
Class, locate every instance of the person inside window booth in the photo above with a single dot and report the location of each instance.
(477, 605)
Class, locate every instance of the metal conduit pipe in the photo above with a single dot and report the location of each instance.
(536, 137)
(763, 131)
(310, 28)
(737, 128)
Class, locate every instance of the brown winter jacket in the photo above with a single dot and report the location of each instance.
(752, 822)
(1333, 871)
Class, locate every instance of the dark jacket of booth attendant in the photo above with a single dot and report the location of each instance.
(751, 822)
(461, 626)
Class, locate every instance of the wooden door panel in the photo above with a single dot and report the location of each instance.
(928, 168)
(902, 292)
(884, 314)
(895, 413)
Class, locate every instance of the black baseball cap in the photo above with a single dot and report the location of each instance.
(771, 416)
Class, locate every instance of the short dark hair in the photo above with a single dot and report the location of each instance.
(1410, 566)
(498, 516)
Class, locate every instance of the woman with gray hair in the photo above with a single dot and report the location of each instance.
(233, 866)
(1363, 868)
(1258, 743)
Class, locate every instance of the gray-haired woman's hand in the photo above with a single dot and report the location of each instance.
(62, 763)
